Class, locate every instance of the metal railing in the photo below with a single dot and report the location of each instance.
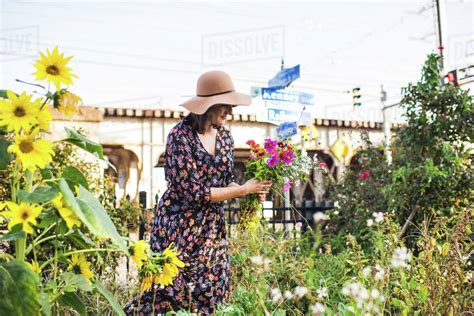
(276, 217)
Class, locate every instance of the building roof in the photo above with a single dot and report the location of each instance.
(173, 114)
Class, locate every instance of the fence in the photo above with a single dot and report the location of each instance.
(276, 217)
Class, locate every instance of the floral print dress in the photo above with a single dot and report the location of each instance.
(196, 226)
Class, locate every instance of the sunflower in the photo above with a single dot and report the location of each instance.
(24, 214)
(79, 265)
(66, 212)
(170, 269)
(172, 254)
(19, 112)
(53, 68)
(44, 117)
(69, 103)
(139, 253)
(146, 283)
(32, 153)
(166, 276)
(34, 266)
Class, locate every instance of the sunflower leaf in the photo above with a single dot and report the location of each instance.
(39, 195)
(83, 142)
(74, 281)
(72, 300)
(18, 289)
(5, 157)
(72, 174)
(15, 233)
(92, 214)
(109, 297)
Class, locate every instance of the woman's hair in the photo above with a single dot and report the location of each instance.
(198, 122)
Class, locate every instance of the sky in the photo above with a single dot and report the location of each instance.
(149, 54)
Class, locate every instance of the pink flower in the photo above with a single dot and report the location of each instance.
(270, 145)
(323, 165)
(364, 175)
(273, 160)
(252, 157)
(287, 157)
(298, 225)
(287, 186)
(297, 183)
(251, 143)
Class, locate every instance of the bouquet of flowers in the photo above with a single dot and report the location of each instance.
(279, 161)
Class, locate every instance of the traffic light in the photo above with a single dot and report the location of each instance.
(451, 77)
(356, 97)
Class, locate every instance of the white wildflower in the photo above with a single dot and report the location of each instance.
(276, 295)
(288, 295)
(298, 225)
(370, 222)
(400, 258)
(318, 308)
(380, 272)
(378, 217)
(367, 271)
(357, 292)
(319, 217)
(374, 294)
(257, 260)
(300, 291)
(323, 292)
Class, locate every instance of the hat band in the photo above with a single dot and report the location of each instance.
(211, 95)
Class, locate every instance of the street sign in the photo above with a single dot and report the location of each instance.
(285, 77)
(274, 94)
(278, 116)
(287, 129)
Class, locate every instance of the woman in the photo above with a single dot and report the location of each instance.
(190, 214)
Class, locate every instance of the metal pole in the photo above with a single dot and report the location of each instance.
(287, 210)
(386, 125)
(440, 26)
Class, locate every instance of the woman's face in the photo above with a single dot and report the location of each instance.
(219, 114)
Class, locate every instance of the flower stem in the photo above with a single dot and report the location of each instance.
(20, 245)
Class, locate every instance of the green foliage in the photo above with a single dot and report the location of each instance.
(18, 289)
(81, 141)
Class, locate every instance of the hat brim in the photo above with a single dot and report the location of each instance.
(199, 105)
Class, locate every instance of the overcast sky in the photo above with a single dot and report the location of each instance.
(149, 54)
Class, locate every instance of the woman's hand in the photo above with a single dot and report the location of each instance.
(257, 187)
(262, 197)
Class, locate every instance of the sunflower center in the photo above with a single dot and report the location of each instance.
(19, 111)
(24, 215)
(26, 146)
(76, 268)
(52, 70)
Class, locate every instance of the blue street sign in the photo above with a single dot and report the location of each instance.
(279, 116)
(287, 129)
(285, 77)
(273, 94)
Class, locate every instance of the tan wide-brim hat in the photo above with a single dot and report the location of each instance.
(215, 87)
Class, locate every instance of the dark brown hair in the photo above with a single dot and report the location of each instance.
(198, 122)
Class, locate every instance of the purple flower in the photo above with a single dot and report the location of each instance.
(273, 160)
(287, 157)
(287, 186)
(270, 145)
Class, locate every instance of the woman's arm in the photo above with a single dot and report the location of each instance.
(235, 190)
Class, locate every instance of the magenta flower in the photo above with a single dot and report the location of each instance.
(323, 165)
(273, 160)
(270, 145)
(364, 175)
(287, 186)
(287, 157)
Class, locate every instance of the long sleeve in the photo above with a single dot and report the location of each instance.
(181, 169)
